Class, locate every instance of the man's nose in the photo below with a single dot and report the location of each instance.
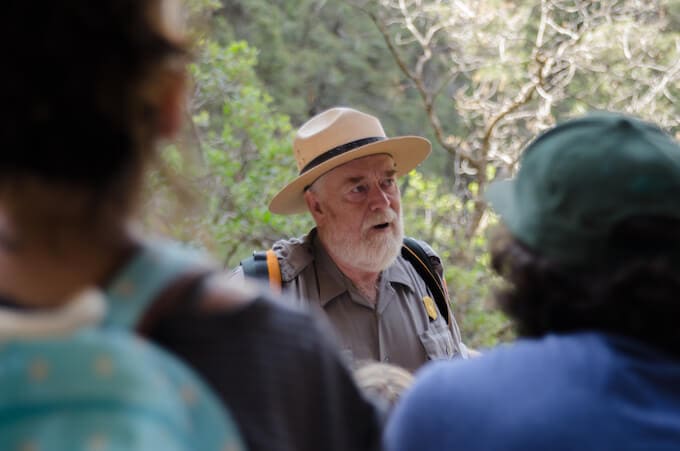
(378, 199)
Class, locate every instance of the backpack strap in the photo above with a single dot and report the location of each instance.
(185, 290)
(264, 265)
(416, 255)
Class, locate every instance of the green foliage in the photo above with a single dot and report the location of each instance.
(237, 155)
(315, 54)
(257, 59)
(431, 213)
(247, 150)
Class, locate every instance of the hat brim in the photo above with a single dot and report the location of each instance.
(407, 152)
(501, 196)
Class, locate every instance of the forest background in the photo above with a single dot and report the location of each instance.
(479, 78)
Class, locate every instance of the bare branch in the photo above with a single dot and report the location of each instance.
(426, 96)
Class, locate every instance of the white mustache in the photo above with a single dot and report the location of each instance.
(387, 216)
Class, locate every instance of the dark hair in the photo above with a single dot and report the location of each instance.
(633, 292)
(81, 111)
(71, 82)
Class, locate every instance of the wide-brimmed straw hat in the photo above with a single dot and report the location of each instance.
(335, 137)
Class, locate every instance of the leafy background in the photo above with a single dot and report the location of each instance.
(479, 78)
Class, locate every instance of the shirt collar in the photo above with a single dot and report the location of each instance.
(332, 283)
(86, 309)
(398, 272)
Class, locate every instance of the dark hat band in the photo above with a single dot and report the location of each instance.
(339, 150)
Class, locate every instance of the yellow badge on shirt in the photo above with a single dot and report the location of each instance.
(430, 308)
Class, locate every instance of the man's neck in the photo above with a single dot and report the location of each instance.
(357, 276)
(365, 281)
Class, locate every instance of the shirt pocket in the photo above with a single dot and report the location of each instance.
(437, 341)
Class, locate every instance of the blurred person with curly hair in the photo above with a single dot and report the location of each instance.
(590, 251)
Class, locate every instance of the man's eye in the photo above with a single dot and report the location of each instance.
(359, 189)
(388, 183)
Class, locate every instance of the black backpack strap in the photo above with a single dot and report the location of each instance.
(185, 290)
(256, 266)
(416, 255)
(264, 265)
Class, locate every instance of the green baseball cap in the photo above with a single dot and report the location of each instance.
(580, 179)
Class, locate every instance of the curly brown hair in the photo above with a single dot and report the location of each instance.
(633, 292)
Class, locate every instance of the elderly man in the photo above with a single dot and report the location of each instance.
(592, 252)
(350, 265)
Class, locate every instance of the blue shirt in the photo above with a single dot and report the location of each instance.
(585, 391)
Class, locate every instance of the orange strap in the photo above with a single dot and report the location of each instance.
(274, 271)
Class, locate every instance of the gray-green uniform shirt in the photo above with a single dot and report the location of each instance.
(396, 329)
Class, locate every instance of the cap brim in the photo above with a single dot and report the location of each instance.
(501, 196)
(407, 152)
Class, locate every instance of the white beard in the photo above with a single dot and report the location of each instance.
(372, 252)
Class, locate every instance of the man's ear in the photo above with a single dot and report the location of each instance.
(172, 101)
(314, 206)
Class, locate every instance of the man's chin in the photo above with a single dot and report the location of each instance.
(385, 251)
(374, 252)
